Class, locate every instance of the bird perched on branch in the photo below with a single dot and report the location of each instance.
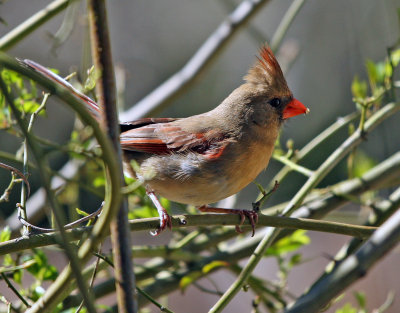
(204, 158)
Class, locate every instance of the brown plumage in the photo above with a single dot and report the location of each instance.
(204, 158)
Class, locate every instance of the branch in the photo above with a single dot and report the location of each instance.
(32, 23)
(56, 209)
(339, 124)
(59, 289)
(287, 20)
(317, 207)
(383, 209)
(352, 268)
(160, 97)
(319, 174)
(199, 220)
(106, 96)
(14, 172)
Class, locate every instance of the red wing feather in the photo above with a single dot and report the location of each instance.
(165, 138)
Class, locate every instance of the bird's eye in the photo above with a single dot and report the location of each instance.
(275, 102)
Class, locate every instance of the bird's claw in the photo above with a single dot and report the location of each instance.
(165, 221)
(253, 218)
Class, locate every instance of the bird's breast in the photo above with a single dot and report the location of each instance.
(194, 179)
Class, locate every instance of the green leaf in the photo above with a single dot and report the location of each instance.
(5, 234)
(99, 181)
(362, 163)
(54, 70)
(42, 270)
(295, 259)
(359, 88)
(213, 265)
(188, 280)
(395, 56)
(7, 260)
(290, 243)
(260, 187)
(50, 273)
(17, 276)
(143, 212)
(372, 73)
(347, 308)
(81, 212)
(361, 299)
(30, 106)
(165, 203)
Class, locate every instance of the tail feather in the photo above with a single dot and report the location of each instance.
(91, 105)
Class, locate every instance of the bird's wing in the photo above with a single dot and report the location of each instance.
(165, 138)
(125, 126)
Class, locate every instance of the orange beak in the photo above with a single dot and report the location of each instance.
(293, 108)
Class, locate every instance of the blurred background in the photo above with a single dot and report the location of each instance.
(152, 40)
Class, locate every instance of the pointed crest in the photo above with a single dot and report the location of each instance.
(266, 72)
(268, 61)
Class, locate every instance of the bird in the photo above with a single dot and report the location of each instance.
(201, 159)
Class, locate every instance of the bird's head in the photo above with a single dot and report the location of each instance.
(268, 90)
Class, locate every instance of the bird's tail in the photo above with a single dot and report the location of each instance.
(91, 105)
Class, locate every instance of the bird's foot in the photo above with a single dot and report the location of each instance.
(165, 219)
(252, 215)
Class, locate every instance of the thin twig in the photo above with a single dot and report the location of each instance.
(294, 166)
(17, 172)
(286, 21)
(58, 213)
(271, 233)
(351, 142)
(351, 268)
(160, 97)
(61, 287)
(197, 220)
(32, 23)
(152, 300)
(339, 124)
(67, 226)
(317, 207)
(208, 52)
(22, 205)
(10, 285)
(96, 266)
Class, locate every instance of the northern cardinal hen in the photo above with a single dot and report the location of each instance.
(204, 158)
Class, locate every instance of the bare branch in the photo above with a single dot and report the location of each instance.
(351, 268)
(160, 97)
